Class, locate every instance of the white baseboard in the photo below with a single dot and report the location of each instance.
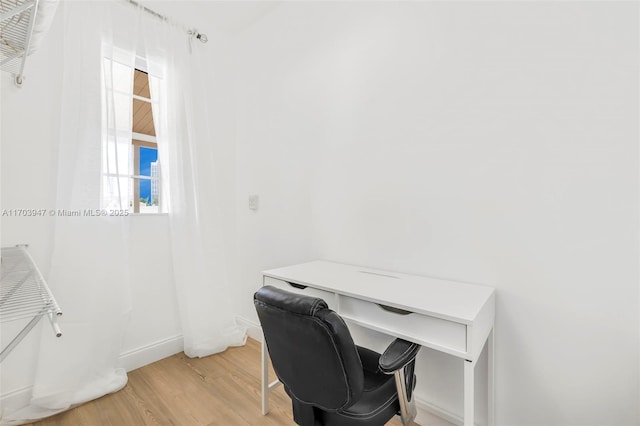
(15, 399)
(152, 352)
(427, 411)
(253, 329)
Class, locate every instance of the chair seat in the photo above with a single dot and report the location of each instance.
(378, 403)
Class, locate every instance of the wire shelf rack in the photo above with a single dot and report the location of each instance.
(17, 19)
(24, 294)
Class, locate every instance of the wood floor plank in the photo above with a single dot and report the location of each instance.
(219, 390)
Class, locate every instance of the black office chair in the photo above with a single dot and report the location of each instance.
(331, 381)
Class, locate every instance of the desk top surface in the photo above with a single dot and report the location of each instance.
(453, 300)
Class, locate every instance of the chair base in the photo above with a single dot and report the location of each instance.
(308, 415)
(408, 410)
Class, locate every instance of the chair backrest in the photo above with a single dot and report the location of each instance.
(311, 349)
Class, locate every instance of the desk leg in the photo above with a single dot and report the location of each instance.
(469, 368)
(265, 378)
(490, 379)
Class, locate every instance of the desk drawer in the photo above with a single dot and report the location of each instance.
(308, 291)
(431, 331)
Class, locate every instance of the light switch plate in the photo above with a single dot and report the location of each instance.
(254, 201)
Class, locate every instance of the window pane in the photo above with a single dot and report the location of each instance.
(118, 111)
(148, 202)
(116, 193)
(149, 188)
(116, 155)
(143, 118)
(148, 156)
(141, 84)
(117, 76)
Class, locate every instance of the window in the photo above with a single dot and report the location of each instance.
(130, 166)
(145, 148)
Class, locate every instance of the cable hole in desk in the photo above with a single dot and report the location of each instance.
(379, 274)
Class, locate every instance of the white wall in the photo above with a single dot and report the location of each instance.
(486, 142)
(276, 143)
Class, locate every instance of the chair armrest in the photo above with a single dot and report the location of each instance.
(397, 355)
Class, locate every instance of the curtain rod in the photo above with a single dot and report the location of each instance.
(190, 31)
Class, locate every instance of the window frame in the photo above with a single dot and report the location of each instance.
(138, 140)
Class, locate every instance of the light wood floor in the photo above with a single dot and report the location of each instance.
(222, 389)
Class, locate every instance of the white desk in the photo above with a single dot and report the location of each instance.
(448, 316)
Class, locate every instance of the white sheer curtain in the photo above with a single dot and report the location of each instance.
(89, 271)
(89, 266)
(177, 76)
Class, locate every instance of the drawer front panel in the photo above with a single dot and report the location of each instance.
(433, 332)
(308, 291)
